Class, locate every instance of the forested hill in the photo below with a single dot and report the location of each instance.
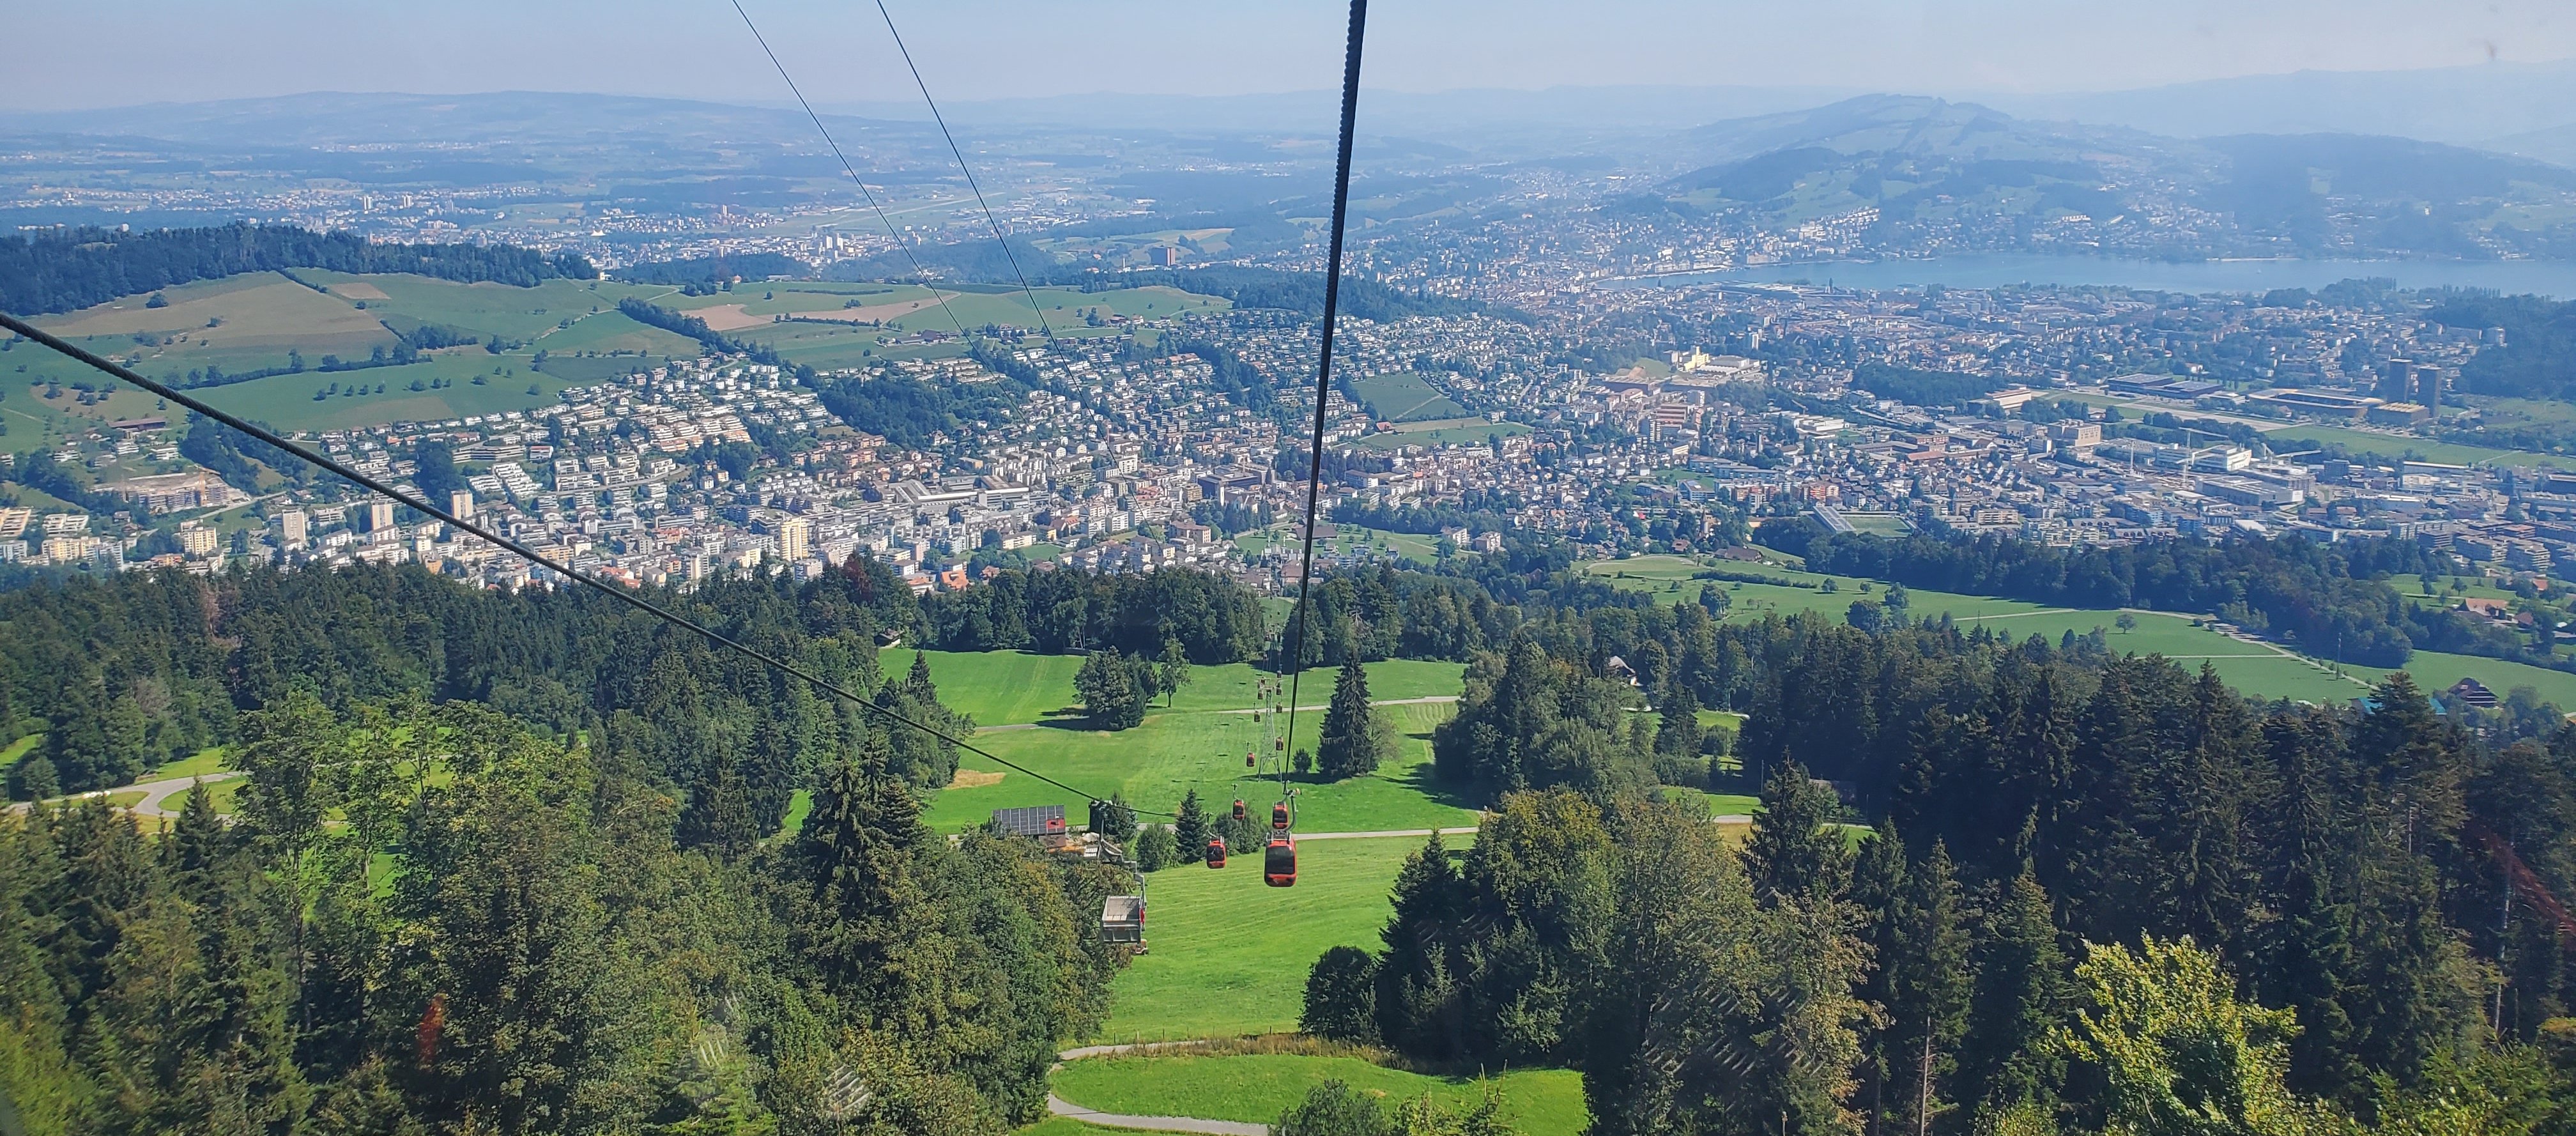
(61, 270)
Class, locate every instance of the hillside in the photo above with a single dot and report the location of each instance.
(1963, 175)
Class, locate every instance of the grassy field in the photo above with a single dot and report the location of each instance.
(995, 687)
(1257, 1087)
(1402, 396)
(2434, 670)
(1460, 432)
(2255, 668)
(1229, 955)
(1013, 687)
(2390, 448)
(1154, 764)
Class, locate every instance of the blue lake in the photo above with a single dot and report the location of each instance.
(2539, 277)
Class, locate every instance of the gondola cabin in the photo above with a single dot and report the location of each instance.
(1279, 863)
(1279, 815)
(1239, 811)
(1122, 919)
(1216, 854)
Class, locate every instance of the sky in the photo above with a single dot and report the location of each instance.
(124, 52)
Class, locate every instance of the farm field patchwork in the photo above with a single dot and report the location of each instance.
(1257, 1087)
(1229, 955)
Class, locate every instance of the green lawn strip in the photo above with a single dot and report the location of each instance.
(1257, 1087)
(20, 748)
(1154, 764)
(1228, 955)
(205, 762)
(2392, 448)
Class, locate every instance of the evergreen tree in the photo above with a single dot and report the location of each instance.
(1419, 1005)
(1880, 891)
(1190, 829)
(1349, 744)
(858, 849)
(1677, 730)
(2023, 994)
(1931, 984)
(1795, 850)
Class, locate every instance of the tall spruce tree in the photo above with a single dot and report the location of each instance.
(1795, 850)
(1190, 829)
(2023, 995)
(1928, 1008)
(1349, 744)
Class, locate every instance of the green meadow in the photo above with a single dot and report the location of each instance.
(1227, 954)
(2259, 669)
(1402, 396)
(1257, 1087)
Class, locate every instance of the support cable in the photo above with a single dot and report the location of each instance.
(989, 220)
(514, 547)
(851, 170)
(1324, 365)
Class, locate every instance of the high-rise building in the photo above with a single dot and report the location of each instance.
(794, 535)
(460, 504)
(380, 516)
(291, 528)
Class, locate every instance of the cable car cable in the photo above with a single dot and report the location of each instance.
(1324, 365)
(989, 220)
(851, 170)
(522, 551)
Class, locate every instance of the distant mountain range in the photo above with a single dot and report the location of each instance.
(1961, 175)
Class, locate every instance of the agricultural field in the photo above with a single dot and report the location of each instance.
(2257, 668)
(1228, 955)
(1257, 1087)
(1402, 396)
(263, 321)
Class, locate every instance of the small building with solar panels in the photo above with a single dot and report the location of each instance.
(1037, 822)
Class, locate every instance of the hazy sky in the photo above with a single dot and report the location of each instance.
(112, 52)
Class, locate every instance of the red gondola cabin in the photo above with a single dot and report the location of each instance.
(1216, 854)
(1279, 863)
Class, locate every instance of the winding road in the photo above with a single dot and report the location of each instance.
(155, 793)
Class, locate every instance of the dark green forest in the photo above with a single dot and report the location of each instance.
(61, 270)
(514, 863)
(2105, 894)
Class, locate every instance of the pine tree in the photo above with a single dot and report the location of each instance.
(916, 680)
(1795, 850)
(1677, 731)
(1348, 745)
(1418, 1000)
(2023, 994)
(859, 848)
(1190, 829)
(1929, 1010)
(1879, 891)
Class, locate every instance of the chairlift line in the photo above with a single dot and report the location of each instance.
(507, 544)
